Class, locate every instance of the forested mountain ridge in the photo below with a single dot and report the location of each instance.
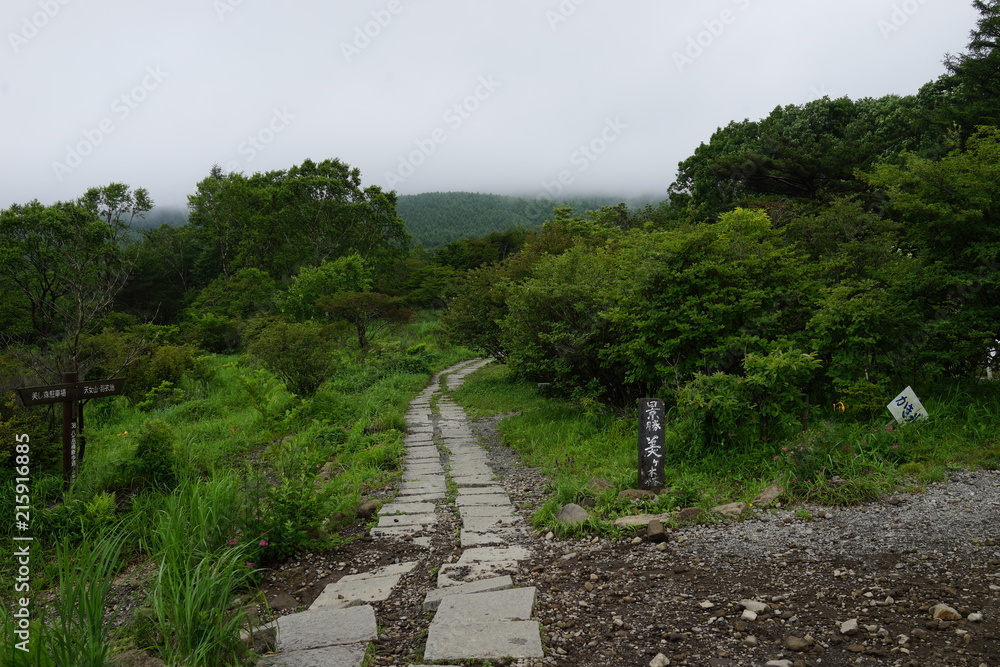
(437, 218)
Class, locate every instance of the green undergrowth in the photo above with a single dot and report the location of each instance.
(839, 460)
(209, 480)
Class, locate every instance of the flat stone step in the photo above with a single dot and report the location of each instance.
(420, 497)
(347, 655)
(407, 508)
(483, 524)
(513, 604)
(353, 589)
(325, 627)
(484, 641)
(493, 499)
(506, 512)
(434, 597)
(396, 520)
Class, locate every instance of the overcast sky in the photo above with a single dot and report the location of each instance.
(500, 96)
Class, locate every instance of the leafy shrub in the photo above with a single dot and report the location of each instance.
(213, 333)
(161, 396)
(765, 404)
(300, 354)
(154, 454)
(344, 274)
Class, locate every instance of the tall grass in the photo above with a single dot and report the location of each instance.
(75, 628)
(199, 573)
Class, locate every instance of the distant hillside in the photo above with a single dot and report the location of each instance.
(437, 218)
(175, 216)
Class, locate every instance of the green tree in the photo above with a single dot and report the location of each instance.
(973, 79)
(370, 313)
(344, 274)
(67, 263)
(281, 220)
(950, 213)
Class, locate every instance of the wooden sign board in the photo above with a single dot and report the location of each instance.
(651, 444)
(70, 393)
(61, 393)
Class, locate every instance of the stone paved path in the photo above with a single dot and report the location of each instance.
(477, 612)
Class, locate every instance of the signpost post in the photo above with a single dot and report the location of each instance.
(651, 440)
(72, 393)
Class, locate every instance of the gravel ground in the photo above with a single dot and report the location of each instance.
(632, 602)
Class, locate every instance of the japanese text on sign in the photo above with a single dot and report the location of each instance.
(906, 408)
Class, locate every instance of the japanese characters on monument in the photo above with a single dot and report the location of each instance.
(651, 444)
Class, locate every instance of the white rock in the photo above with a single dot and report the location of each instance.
(754, 605)
(779, 663)
(749, 615)
(975, 617)
(659, 661)
(706, 604)
(849, 627)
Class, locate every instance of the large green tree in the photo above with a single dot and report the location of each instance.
(973, 80)
(282, 220)
(66, 264)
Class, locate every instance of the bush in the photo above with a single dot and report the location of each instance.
(154, 454)
(765, 404)
(213, 333)
(299, 353)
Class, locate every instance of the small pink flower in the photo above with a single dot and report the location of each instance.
(888, 428)
(263, 543)
(233, 543)
(250, 565)
(895, 448)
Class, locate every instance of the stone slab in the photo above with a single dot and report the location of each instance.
(393, 570)
(468, 538)
(419, 497)
(347, 655)
(484, 641)
(452, 574)
(425, 465)
(341, 594)
(480, 490)
(471, 470)
(494, 553)
(514, 604)
(396, 520)
(416, 488)
(506, 513)
(434, 597)
(407, 508)
(326, 627)
(493, 499)
(484, 524)
(475, 480)
(422, 455)
(431, 482)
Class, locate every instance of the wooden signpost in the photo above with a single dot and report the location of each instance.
(73, 394)
(651, 455)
